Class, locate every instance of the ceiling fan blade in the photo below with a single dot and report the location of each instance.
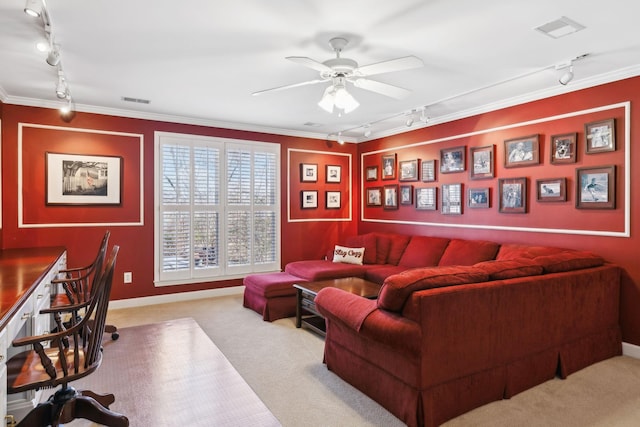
(276, 89)
(398, 64)
(310, 63)
(382, 88)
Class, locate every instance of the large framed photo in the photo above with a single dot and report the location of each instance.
(371, 173)
(563, 148)
(333, 174)
(452, 160)
(409, 170)
(309, 199)
(428, 170)
(551, 190)
(426, 199)
(512, 195)
(600, 136)
(389, 166)
(374, 196)
(478, 198)
(481, 162)
(390, 196)
(73, 179)
(596, 188)
(522, 151)
(332, 199)
(308, 172)
(451, 199)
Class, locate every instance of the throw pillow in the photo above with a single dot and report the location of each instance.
(348, 255)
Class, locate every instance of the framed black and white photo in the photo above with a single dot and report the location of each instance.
(309, 199)
(512, 195)
(308, 172)
(333, 174)
(596, 188)
(406, 194)
(452, 160)
(451, 199)
(551, 190)
(481, 162)
(600, 136)
(426, 199)
(478, 198)
(390, 197)
(332, 199)
(563, 148)
(374, 196)
(389, 166)
(428, 170)
(371, 173)
(73, 179)
(522, 151)
(408, 170)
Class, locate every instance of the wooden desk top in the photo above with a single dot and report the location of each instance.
(20, 270)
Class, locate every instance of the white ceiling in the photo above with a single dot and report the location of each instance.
(198, 61)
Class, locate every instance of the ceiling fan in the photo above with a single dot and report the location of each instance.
(340, 71)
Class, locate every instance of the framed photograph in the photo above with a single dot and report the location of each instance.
(478, 198)
(428, 170)
(451, 199)
(596, 188)
(406, 194)
(73, 179)
(332, 199)
(452, 159)
(371, 173)
(389, 166)
(374, 196)
(409, 170)
(522, 151)
(551, 190)
(390, 196)
(563, 148)
(512, 195)
(426, 198)
(333, 173)
(308, 172)
(309, 199)
(481, 162)
(600, 136)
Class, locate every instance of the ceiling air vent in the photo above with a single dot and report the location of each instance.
(137, 100)
(561, 27)
(312, 124)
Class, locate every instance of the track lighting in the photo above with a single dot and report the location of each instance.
(567, 76)
(423, 115)
(53, 58)
(367, 131)
(33, 8)
(62, 91)
(340, 138)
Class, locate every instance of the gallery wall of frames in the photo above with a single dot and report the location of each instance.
(549, 173)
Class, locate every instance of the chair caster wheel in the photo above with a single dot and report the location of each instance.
(115, 336)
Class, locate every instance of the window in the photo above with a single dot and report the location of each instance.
(218, 208)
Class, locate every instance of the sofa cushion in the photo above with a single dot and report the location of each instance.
(397, 288)
(398, 244)
(423, 251)
(323, 269)
(383, 244)
(368, 242)
(468, 252)
(272, 285)
(348, 255)
(378, 274)
(510, 268)
(568, 261)
(513, 251)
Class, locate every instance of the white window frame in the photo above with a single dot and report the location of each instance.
(223, 271)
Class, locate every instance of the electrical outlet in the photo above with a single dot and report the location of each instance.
(128, 277)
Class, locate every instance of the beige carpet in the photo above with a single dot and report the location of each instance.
(283, 365)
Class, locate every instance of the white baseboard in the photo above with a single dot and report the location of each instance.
(181, 296)
(631, 350)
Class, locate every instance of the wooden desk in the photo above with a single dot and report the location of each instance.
(25, 289)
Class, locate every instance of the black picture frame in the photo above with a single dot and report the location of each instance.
(551, 190)
(371, 173)
(390, 196)
(332, 200)
(333, 174)
(452, 199)
(478, 198)
(426, 199)
(512, 195)
(428, 170)
(374, 196)
(481, 162)
(452, 160)
(600, 136)
(596, 187)
(388, 166)
(522, 151)
(406, 194)
(308, 172)
(308, 199)
(563, 148)
(408, 170)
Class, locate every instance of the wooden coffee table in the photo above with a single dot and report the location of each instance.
(307, 291)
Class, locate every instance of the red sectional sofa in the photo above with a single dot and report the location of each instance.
(461, 323)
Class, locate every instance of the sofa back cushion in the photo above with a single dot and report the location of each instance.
(391, 247)
(568, 261)
(514, 251)
(423, 251)
(510, 268)
(368, 242)
(383, 244)
(398, 288)
(468, 252)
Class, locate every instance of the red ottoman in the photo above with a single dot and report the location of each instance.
(271, 294)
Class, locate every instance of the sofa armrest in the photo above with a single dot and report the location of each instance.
(351, 309)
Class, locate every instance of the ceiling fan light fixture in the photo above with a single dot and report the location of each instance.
(344, 100)
(327, 101)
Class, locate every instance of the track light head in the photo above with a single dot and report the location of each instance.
(340, 138)
(53, 57)
(566, 77)
(367, 131)
(33, 8)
